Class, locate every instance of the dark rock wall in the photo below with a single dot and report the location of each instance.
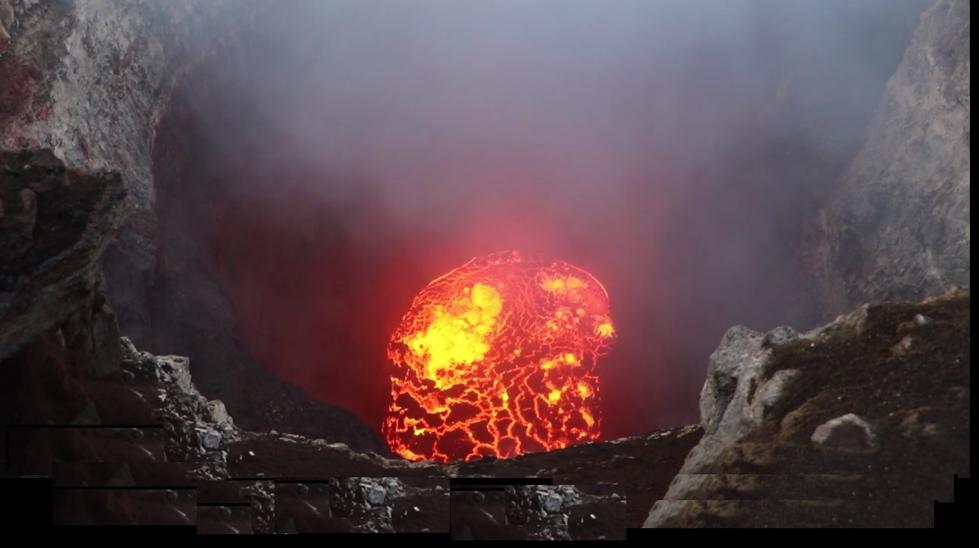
(54, 224)
(898, 225)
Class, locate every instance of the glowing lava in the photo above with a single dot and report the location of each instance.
(499, 357)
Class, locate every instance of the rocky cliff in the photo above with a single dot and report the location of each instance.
(88, 81)
(897, 227)
(864, 421)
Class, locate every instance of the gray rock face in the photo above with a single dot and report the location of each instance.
(773, 391)
(89, 80)
(897, 227)
(211, 440)
(94, 75)
(738, 392)
(733, 372)
(738, 389)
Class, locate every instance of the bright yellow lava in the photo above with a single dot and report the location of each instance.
(586, 416)
(499, 357)
(562, 284)
(457, 335)
(605, 329)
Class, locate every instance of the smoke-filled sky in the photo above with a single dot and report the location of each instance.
(672, 148)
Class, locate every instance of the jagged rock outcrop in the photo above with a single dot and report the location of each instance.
(737, 393)
(89, 80)
(868, 430)
(897, 228)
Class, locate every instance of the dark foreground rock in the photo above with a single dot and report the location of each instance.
(869, 431)
(144, 424)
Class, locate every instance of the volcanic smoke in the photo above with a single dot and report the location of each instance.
(499, 358)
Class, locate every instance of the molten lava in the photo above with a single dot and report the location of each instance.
(498, 357)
